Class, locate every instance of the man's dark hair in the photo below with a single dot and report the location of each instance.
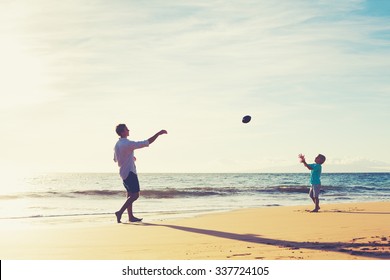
(120, 128)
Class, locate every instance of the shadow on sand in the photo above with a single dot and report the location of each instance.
(357, 212)
(369, 249)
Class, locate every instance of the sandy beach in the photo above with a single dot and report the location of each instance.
(338, 232)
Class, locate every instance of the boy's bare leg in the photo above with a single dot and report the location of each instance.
(316, 201)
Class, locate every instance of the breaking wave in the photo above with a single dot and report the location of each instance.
(172, 192)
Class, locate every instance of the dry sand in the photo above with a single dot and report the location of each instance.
(337, 232)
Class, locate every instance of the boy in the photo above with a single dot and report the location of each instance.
(124, 156)
(315, 178)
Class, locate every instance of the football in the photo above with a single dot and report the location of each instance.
(246, 119)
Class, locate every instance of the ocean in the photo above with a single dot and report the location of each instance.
(94, 197)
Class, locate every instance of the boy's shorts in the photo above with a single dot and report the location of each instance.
(131, 183)
(315, 190)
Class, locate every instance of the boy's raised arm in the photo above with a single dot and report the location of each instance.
(303, 160)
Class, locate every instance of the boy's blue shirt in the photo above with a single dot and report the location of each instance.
(315, 173)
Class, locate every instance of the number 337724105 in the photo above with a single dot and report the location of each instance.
(240, 270)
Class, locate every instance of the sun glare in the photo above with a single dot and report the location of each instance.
(22, 74)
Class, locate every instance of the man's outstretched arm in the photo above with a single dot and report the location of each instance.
(154, 137)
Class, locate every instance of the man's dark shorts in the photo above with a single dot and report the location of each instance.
(131, 183)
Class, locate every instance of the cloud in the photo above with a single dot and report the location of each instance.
(195, 67)
(357, 165)
(340, 165)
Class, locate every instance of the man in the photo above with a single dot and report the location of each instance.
(124, 156)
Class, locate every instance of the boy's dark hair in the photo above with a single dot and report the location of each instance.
(120, 128)
(322, 157)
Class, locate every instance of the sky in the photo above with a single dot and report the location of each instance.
(314, 76)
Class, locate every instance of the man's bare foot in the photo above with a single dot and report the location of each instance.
(118, 217)
(134, 219)
(315, 210)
